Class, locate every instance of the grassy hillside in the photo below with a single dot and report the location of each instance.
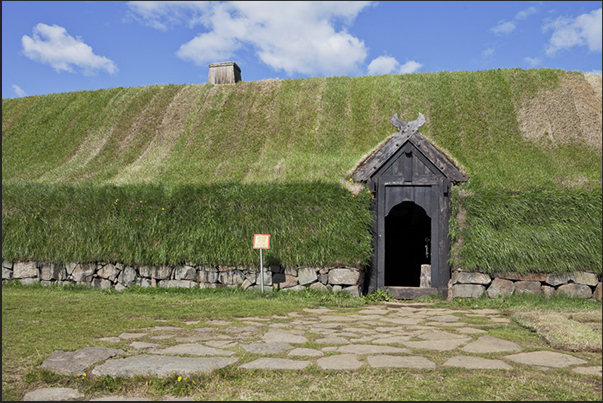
(512, 132)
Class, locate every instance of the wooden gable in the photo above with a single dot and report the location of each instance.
(409, 155)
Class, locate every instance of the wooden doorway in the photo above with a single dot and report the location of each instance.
(407, 244)
(410, 180)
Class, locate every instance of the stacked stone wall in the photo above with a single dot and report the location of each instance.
(120, 276)
(473, 285)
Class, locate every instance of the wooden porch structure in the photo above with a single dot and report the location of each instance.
(411, 182)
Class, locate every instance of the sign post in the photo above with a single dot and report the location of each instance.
(261, 241)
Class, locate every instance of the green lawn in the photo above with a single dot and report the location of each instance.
(38, 320)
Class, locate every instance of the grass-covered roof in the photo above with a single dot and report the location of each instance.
(512, 133)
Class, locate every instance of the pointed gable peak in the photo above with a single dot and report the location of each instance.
(369, 166)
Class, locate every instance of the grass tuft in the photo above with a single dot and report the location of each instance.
(568, 330)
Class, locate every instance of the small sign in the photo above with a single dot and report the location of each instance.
(261, 241)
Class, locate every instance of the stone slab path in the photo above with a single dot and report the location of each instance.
(381, 336)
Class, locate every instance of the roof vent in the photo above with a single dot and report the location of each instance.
(224, 73)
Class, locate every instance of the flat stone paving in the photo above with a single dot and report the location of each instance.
(76, 362)
(160, 365)
(470, 362)
(394, 361)
(384, 336)
(489, 344)
(52, 394)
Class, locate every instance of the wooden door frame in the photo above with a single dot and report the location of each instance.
(439, 214)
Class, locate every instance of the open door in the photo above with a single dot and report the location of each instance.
(407, 244)
(410, 180)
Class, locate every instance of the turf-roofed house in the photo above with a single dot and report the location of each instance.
(457, 183)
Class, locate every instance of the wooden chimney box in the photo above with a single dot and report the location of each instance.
(224, 73)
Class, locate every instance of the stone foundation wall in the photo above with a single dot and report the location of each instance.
(119, 276)
(473, 285)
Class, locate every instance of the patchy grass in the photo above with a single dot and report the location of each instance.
(567, 330)
(365, 384)
(33, 316)
(564, 322)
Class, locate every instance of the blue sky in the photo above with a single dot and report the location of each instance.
(54, 46)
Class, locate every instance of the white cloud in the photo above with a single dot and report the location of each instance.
(410, 67)
(19, 91)
(383, 65)
(532, 61)
(503, 28)
(389, 65)
(488, 52)
(584, 30)
(53, 46)
(162, 14)
(524, 14)
(297, 37)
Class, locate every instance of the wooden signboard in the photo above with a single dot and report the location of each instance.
(261, 241)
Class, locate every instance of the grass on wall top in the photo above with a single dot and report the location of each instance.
(312, 224)
(537, 231)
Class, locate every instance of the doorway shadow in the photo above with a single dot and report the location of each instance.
(407, 244)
